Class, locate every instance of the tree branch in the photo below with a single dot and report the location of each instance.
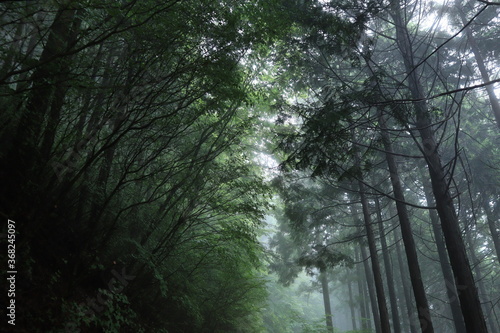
(449, 92)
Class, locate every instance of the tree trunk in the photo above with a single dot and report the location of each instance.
(451, 290)
(423, 311)
(326, 299)
(351, 306)
(21, 83)
(495, 105)
(479, 276)
(371, 290)
(51, 65)
(23, 151)
(492, 225)
(388, 271)
(377, 275)
(60, 90)
(469, 298)
(365, 320)
(14, 49)
(406, 288)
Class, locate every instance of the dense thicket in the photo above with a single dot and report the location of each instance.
(126, 162)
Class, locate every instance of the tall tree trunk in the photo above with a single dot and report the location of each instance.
(495, 105)
(14, 49)
(33, 40)
(370, 322)
(51, 65)
(21, 83)
(351, 305)
(379, 304)
(491, 225)
(479, 276)
(406, 288)
(371, 290)
(23, 151)
(388, 270)
(469, 298)
(326, 299)
(364, 320)
(423, 311)
(377, 275)
(60, 90)
(451, 290)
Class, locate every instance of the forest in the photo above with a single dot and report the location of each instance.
(250, 166)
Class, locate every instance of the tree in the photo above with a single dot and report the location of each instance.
(469, 300)
(307, 227)
(485, 76)
(136, 146)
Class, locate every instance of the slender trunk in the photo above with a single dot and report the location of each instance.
(369, 281)
(60, 90)
(351, 305)
(377, 275)
(371, 290)
(423, 311)
(21, 83)
(406, 288)
(370, 322)
(326, 299)
(388, 271)
(14, 49)
(479, 276)
(492, 225)
(22, 79)
(27, 32)
(495, 105)
(52, 65)
(469, 298)
(451, 290)
(364, 320)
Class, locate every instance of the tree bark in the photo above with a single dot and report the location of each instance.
(388, 271)
(491, 225)
(406, 289)
(495, 105)
(15, 48)
(469, 298)
(326, 299)
(23, 151)
(377, 275)
(51, 65)
(480, 285)
(423, 311)
(451, 290)
(60, 90)
(371, 289)
(364, 320)
(351, 305)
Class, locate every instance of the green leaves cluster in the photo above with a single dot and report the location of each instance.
(132, 124)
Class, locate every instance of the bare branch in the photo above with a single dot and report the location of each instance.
(449, 92)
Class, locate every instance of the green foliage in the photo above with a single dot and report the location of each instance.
(130, 132)
(291, 309)
(115, 316)
(316, 327)
(136, 127)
